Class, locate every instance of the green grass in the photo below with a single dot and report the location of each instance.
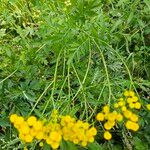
(73, 59)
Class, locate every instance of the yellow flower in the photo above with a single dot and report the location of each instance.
(123, 108)
(119, 117)
(135, 98)
(24, 129)
(132, 125)
(127, 113)
(131, 105)
(129, 100)
(40, 135)
(55, 145)
(131, 93)
(38, 125)
(28, 138)
(76, 141)
(33, 132)
(106, 109)
(111, 116)
(148, 106)
(137, 105)
(126, 93)
(55, 136)
(107, 135)
(31, 120)
(116, 105)
(41, 144)
(84, 143)
(121, 103)
(121, 99)
(107, 126)
(19, 120)
(100, 117)
(93, 130)
(134, 117)
(13, 118)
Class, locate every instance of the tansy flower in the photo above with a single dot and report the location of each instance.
(126, 93)
(131, 93)
(129, 100)
(119, 117)
(100, 117)
(41, 144)
(116, 105)
(107, 135)
(121, 103)
(134, 117)
(123, 108)
(13, 118)
(132, 125)
(137, 105)
(107, 126)
(28, 138)
(127, 113)
(106, 109)
(134, 98)
(148, 106)
(31, 120)
(131, 105)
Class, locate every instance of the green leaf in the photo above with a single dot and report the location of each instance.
(94, 146)
(68, 146)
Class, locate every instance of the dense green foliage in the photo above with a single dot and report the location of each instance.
(74, 59)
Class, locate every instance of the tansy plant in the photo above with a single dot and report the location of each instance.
(124, 111)
(53, 131)
(67, 128)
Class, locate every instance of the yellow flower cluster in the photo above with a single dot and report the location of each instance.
(53, 131)
(78, 132)
(122, 111)
(110, 118)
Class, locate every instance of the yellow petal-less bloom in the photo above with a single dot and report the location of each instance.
(123, 108)
(31, 120)
(19, 120)
(116, 105)
(126, 93)
(131, 105)
(132, 125)
(24, 129)
(111, 117)
(41, 144)
(38, 125)
(137, 105)
(134, 98)
(121, 103)
(129, 100)
(134, 117)
(28, 138)
(107, 135)
(100, 117)
(127, 113)
(148, 106)
(13, 118)
(84, 143)
(107, 126)
(106, 109)
(119, 117)
(131, 93)
(55, 145)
